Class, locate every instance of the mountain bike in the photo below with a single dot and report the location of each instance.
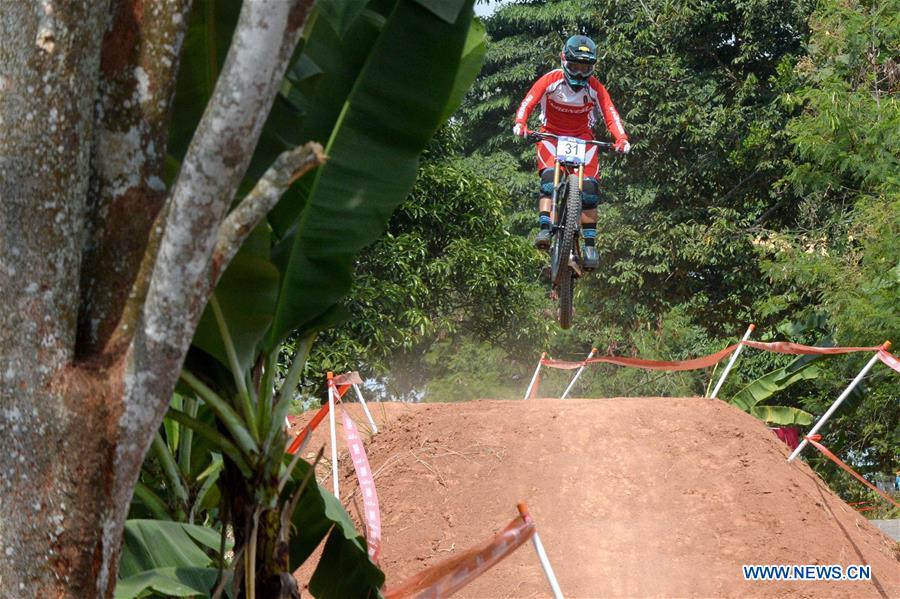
(565, 217)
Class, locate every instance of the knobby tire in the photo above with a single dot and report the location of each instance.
(566, 276)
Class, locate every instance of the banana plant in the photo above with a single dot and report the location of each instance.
(270, 501)
(372, 81)
(180, 474)
(751, 397)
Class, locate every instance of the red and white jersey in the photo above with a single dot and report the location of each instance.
(565, 111)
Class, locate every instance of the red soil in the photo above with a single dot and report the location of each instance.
(642, 497)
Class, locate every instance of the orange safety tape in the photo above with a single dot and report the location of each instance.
(781, 347)
(692, 364)
(348, 378)
(786, 347)
(813, 440)
(447, 577)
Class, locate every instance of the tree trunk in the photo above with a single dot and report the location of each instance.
(53, 443)
(96, 319)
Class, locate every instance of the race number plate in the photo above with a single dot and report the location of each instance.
(570, 149)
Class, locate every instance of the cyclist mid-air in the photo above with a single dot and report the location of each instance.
(571, 99)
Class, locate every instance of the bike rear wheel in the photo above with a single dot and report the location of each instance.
(565, 276)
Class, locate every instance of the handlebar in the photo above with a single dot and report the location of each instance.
(539, 135)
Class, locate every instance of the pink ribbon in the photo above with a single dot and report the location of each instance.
(889, 360)
(366, 485)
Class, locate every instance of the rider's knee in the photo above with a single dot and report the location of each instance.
(590, 193)
(547, 182)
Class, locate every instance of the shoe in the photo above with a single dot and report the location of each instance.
(591, 260)
(542, 240)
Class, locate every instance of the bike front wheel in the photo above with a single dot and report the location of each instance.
(565, 276)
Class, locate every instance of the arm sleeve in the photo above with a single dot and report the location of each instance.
(610, 114)
(531, 100)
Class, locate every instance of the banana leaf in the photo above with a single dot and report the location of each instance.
(167, 558)
(247, 294)
(344, 570)
(448, 10)
(206, 44)
(151, 544)
(340, 14)
(771, 383)
(393, 108)
(782, 415)
(341, 573)
(469, 67)
(168, 582)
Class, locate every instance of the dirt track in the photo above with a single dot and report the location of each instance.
(633, 498)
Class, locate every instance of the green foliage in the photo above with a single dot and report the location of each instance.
(464, 369)
(167, 558)
(247, 294)
(447, 268)
(751, 397)
(346, 89)
(179, 477)
(351, 197)
(258, 478)
(841, 259)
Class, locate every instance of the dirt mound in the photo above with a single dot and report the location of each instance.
(633, 497)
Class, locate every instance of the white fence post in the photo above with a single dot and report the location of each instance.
(365, 407)
(578, 374)
(545, 564)
(534, 378)
(542, 555)
(731, 361)
(334, 453)
(833, 407)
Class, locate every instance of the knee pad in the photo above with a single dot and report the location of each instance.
(547, 182)
(590, 193)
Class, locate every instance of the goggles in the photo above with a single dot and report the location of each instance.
(582, 69)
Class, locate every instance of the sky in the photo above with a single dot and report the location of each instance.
(484, 9)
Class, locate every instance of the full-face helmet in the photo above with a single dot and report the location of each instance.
(579, 55)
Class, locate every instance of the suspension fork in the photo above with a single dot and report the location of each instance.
(553, 200)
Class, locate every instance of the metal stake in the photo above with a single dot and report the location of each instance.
(578, 374)
(835, 405)
(534, 378)
(731, 361)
